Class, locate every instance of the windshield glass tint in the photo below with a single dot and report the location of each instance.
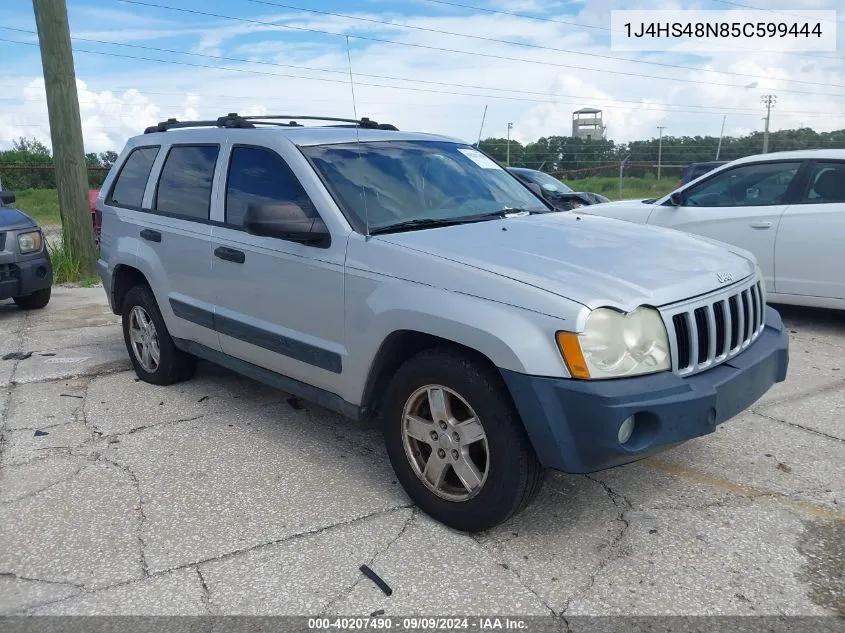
(549, 182)
(397, 181)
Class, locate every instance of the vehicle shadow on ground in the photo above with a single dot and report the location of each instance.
(821, 319)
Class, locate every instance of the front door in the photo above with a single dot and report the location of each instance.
(279, 303)
(742, 206)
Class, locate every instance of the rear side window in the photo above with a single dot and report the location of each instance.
(128, 190)
(184, 187)
(827, 184)
(260, 176)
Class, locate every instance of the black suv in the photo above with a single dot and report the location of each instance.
(555, 192)
(694, 170)
(26, 272)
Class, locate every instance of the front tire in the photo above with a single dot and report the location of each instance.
(155, 357)
(457, 443)
(36, 301)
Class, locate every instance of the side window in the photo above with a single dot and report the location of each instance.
(260, 176)
(128, 189)
(744, 186)
(827, 184)
(184, 187)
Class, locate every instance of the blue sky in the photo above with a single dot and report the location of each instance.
(259, 57)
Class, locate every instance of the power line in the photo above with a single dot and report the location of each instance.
(641, 106)
(589, 26)
(529, 45)
(747, 6)
(519, 15)
(457, 51)
(393, 78)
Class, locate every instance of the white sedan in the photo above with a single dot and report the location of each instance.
(788, 208)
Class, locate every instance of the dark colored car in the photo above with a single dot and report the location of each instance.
(96, 216)
(694, 170)
(26, 272)
(555, 192)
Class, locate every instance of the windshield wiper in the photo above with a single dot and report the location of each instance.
(427, 223)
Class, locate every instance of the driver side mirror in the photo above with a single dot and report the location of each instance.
(287, 221)
(7, 197)
(676, 199)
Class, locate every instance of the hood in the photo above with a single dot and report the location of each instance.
(592, 260)
(13, 219)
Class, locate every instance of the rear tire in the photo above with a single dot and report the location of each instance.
(430, 454)
(37, 300)
(155, 357)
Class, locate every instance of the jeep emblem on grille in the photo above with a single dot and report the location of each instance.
(724, 277)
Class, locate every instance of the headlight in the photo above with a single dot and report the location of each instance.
(615, 345)
(29, 242)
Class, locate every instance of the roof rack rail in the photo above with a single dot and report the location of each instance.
(234, 120)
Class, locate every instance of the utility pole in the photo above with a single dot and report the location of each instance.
(768, 101)
(481, 129)
(66, 133)
(621, 171)
(510, 127)
(721, 134)
(660, 129)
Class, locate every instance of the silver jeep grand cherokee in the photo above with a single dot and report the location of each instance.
(408, 276)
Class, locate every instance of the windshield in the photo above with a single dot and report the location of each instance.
(550, 183)
(384, 183)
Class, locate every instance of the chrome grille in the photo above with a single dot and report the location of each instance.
(2, 240)
(709, 331)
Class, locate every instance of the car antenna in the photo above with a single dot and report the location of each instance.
(357, 136)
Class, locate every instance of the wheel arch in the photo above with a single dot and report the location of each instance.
(124, 278)
(396, 349)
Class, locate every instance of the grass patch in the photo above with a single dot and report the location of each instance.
(66, 269)
(631, 187)
(42, 205)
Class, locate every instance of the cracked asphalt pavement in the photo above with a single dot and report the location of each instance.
(223, 496)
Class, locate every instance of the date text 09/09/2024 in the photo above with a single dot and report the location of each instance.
(386, 623)
(722, 29)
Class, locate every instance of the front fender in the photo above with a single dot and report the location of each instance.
(512, 338)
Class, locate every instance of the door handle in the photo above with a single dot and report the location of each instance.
(761, 224)
(150, 235)
(230, 254)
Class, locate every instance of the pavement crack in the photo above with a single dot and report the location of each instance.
(120, 434)
(60, 583)
(21, 334)
(284, 539)
(35, 493)
(348, 591)
(800, 426)
(139, 508)
(613, 549)
(480, 541)
(206, 593)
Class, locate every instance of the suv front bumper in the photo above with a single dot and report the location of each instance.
(574, 424)
(21, 277)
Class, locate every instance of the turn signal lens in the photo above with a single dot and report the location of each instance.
(570, 348)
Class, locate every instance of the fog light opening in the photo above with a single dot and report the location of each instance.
(626, 430)
(41, 272)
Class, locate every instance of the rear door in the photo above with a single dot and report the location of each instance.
(280, 304)
(742, 206)
(175, 244)
(810, 247)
